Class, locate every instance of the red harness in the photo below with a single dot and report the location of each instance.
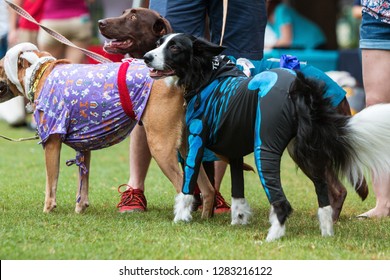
(124, 95)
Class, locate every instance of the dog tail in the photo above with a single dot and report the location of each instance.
(350, 146)
(369, 135)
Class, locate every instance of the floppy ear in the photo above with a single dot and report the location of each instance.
(162, 27)
(205, 48)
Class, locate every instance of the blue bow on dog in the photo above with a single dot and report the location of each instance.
(290, 62)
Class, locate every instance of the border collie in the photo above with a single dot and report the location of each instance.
(233, 116)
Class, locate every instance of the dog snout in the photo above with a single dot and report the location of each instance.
(102, 23)
(148, 58)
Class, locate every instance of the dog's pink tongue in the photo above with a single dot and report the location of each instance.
(111, 46)
(160, 73)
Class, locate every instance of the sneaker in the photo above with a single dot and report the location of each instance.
(132, 200)
(220, 205)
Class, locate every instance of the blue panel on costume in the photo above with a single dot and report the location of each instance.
(189, 172)
(257, 150)
(194, 142)
(263, 82)
(196, 127)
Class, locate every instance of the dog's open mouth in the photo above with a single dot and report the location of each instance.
(117, 46)
(158, 74)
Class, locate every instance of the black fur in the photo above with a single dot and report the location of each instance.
(282, 210)
(317, 120)
(190, 57)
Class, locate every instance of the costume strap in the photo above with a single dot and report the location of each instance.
(79, 161)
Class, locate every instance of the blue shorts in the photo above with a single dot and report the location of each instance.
(374, 34)
(245, 23)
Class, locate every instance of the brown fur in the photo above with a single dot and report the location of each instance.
(142, 26)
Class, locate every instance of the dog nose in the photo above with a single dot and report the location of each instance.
(148, 58)
(102, 23)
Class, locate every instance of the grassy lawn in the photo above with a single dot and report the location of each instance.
(102, 233)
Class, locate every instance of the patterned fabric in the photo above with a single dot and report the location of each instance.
(379, 9)
(81, 103)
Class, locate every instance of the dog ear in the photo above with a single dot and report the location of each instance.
(162, 27)
(203, 47)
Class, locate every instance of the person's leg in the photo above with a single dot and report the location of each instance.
(75, 55)
(187, 16)
(140, 158)
(221, 206)
(219, 172)
(377, 88)
(133, 198)
(80, 34)
(245, 27)
(47, 43)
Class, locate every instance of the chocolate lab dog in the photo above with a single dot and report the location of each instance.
(133, 33)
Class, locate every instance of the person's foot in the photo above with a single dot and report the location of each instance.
(132, 200)
(375, 213)
(220, 205)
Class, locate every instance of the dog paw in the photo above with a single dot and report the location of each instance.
(81, 207)
(326, 221)
(49, 207)
(182, 218)
(241, 211)
(183, 203)
(275, 232)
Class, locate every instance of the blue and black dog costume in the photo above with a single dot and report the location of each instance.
(234, 116)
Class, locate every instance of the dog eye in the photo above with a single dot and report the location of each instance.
(174, 48)
(133, 17)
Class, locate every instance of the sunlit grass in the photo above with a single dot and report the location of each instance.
(102, 233)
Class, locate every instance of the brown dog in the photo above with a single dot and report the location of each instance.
(133, 33)
(25, 69)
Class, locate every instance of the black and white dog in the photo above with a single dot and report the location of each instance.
(233, 116)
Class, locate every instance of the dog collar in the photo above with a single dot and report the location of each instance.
(32, 88)
(34, 73)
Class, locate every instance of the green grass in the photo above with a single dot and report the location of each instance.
(102, 233)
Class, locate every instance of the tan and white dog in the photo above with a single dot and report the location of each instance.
(38, 76)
